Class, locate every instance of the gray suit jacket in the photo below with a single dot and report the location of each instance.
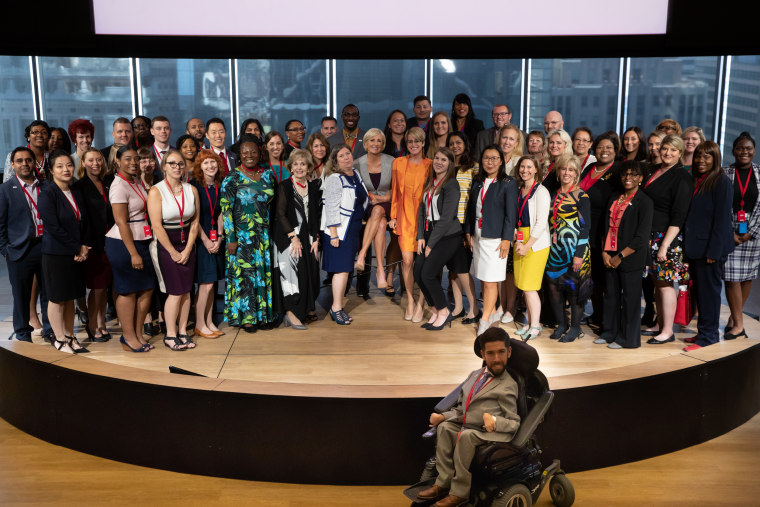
(337, 138)
(386, 166)
(498, 398)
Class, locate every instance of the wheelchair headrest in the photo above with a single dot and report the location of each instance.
(524, 358)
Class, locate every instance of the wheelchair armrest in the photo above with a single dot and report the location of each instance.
(449, 401)
(430, 433)
(535, 416)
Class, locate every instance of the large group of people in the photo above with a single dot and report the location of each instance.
(544, 220)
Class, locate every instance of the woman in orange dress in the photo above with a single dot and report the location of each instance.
(409, 176)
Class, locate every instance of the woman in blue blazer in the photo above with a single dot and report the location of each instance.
(708, 237)
(64, 249)
(490, 228)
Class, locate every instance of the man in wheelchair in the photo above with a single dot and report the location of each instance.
(486, 411)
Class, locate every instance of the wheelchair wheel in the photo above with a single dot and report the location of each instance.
(517, 495)
(562, 491)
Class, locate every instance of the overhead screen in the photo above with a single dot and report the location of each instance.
(389, 18)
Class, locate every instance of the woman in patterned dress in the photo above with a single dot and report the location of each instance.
(569, 268)
(246, 195)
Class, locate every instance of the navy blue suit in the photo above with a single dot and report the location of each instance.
(64, 234)
(22, 251)
(708, 234)
(499, 209)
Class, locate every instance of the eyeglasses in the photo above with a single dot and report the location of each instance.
(584, 141)
(175, 165)
(499, 115)
(490, 159)
(38, 132)
(296, 129)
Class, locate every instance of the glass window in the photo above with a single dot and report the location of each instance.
(377, 87)
(487, 82)
(275, 91)
(16, 102)
(680, 88)
(576, 80)
(96, 89)
(742, 106)
(184, 89)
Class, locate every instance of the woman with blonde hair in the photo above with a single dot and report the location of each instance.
(558, 143)
(692, 137)
(409, 176)
(511, 142)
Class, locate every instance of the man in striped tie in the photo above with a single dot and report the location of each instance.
(486, 411)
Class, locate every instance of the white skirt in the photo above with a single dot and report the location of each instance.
(486, 264)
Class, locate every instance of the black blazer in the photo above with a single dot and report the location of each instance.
(64, 234)
(17, 229)
(99, 212)
(499, 209)
(286, 218)
(447, 207)
(708, 230)
(599, 194)
(635, 230)
(471, 129)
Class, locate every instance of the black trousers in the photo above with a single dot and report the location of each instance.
(622, 307)
(427, 270)
(708, 280)
(21, 275)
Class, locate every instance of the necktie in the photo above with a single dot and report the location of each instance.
(224, 161)
(481, 383)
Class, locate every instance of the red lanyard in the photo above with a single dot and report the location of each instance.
(653, 177)
(181, 209)
(317, 167)
(548, 170)
(699, 184)
(279, 180)
(617, 210)
(143, 199)
(103, 193)
(483, 192)
(590, 180)
(463, 125)
(73, 203)
(353, 144)
(213, 206)
(472, 392)
(293, 145)
(29, 196)
(158, 152)
(584, 161)
(427, 125)
(525, 201)
(37, 166)
(743, 189)
(557, 203)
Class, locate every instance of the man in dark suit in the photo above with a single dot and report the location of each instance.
(422, 111)
(216, 133)
(21, 241)
(501, 115)
(351, 134)
(122, 136)
(486, 411)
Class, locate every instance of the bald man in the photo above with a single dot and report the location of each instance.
(552, 121)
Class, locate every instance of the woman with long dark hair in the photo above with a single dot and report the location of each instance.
(273, 156)
(395, 128)
(463, 118)
(633, 147)
(708, 239)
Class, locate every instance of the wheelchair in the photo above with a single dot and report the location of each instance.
(508, 474)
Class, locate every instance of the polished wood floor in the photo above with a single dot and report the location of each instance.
(382, 349)
(722, 471)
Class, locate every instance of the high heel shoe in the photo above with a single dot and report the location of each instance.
(63, 346)
(415, 319)
(573, 334)
(359, 266)
(557, 334)
(522, 331)
(126, 346)
(289, 323)
(468, 320)
(340, 317)
(532, 333)
(458, 315)
(76, 346)
(95, 339)
(445, 323)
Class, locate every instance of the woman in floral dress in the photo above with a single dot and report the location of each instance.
(246, 196)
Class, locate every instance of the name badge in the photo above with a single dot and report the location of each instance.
(39, 230)
(147, 232)
(519, 235)
(742, 227)
(212, 235)
(480, 223)
(741, 216)
(554, 238)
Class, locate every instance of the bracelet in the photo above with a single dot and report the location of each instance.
(336, 237)
(620, 254)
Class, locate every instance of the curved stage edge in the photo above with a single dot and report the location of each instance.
(366, 435)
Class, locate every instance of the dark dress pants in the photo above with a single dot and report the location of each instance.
(21, 274)
(622, 307)
(708, 280)
(427, 270)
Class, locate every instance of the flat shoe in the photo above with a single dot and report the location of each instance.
(692, 347)
(601, 341)
(653, 341)
(210, 336)
(613, 345)
(729, 336)
(691, 339)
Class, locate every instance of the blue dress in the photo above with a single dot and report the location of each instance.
(208, 267)
(341, 259)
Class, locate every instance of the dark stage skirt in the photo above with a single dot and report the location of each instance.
(126, 279)
(178, 278)
(63, 278)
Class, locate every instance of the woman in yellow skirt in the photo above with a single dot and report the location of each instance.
(532, 239)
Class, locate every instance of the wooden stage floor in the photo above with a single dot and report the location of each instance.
(382, 349)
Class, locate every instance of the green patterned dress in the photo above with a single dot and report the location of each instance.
(245, 215)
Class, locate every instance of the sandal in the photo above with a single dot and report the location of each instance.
(532, 333)
(340, 317)
(63, 346)
(186, 341)
(177, 346)
(76, 346)
(127, 346)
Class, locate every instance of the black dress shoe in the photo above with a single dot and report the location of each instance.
(557, 334)
(459, 315)
(650, 333)
(573, 334)
(729, 336)
(473, 320)
(652, 340)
